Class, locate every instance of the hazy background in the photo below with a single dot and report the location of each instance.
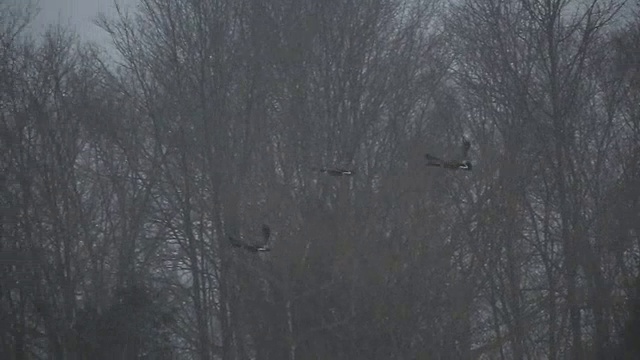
(78, 15)
(122, 182)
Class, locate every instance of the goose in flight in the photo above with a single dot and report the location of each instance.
(266, 234)
(337, 172)
(453, 164)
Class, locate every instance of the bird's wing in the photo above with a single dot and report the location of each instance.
(432, 158)
(465, 147)
(235, 242)
(266, 232)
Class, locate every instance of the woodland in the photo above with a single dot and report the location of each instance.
(126, 167)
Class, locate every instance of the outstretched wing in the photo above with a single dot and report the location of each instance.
(266, 232)
(432, 158)
(325, 170)
(465, 148)
(235, 243)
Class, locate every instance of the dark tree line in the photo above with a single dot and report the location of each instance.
(123, 174)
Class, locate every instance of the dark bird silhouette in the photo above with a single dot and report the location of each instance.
(252, 248)
(337, 172)
(266, 233)
(454, 164)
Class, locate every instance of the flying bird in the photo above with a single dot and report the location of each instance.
(252, 248)
(337, 172)
(266, 233)
(462, 163)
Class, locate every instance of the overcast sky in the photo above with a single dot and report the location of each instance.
(78, 14)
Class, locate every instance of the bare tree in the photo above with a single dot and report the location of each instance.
(124, 179)
(526, 70)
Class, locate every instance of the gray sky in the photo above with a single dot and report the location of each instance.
(77, 14)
